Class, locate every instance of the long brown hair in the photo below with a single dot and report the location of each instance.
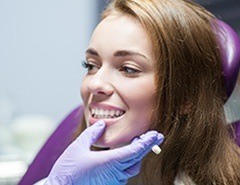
(190, 93)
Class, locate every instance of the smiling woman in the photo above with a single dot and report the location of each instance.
(117, 60)
(153, 67)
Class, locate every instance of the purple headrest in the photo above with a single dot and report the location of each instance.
(230, 51)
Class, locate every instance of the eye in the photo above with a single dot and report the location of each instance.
(89, 66)
(130, 71)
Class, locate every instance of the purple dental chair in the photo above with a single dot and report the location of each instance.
(63, 135)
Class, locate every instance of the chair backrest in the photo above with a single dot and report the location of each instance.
(53, 148)
(63, 135)
(230, 50)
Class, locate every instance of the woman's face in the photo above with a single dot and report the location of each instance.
(119, 85)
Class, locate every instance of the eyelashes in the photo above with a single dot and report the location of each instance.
(128, 71)
(87, 65)
(84, 64)
(91, 67)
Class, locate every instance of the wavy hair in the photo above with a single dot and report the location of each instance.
(190, 93)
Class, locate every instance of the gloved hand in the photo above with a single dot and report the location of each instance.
(78, 165)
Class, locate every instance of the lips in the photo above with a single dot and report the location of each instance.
(99, 113)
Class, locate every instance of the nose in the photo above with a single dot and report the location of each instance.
(101, 83)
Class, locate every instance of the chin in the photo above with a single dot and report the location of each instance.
(111, 142)
(103, 143)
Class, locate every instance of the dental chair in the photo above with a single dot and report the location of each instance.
(63, 135)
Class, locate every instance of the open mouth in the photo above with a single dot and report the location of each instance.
(106, 114)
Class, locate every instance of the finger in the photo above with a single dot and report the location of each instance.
(124, 174)
(132, 161)
(144, 153)
(147, 147)
(135, 139)
(91, 134)
(137, 147)
(133, 170)
(128, 173)
(160, 139)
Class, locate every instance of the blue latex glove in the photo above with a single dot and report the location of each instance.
(79, 165)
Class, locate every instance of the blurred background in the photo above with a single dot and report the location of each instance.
(42, 44)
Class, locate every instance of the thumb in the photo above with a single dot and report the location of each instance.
(91, 134)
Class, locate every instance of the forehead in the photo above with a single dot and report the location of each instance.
(121, 32)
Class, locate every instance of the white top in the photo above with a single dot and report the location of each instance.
(182, 179)
(41, 182)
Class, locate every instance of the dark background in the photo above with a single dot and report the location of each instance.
(227, 10)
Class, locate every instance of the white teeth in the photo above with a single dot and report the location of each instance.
(101, 113)
(112, 112)
(106, 112)
(117, 113)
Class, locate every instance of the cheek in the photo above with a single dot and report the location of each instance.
(140, 97)
(140, 100)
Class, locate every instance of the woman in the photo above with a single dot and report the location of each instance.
(153, 65)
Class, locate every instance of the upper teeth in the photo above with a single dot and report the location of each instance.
(101, 113)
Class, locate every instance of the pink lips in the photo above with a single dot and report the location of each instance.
(108, 121)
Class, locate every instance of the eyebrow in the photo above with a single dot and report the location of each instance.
(91, 52)
(119, 53)
(123, 53)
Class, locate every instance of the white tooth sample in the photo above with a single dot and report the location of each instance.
(101, 112)
(156, 149)
(93, 111)
(112, 112)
